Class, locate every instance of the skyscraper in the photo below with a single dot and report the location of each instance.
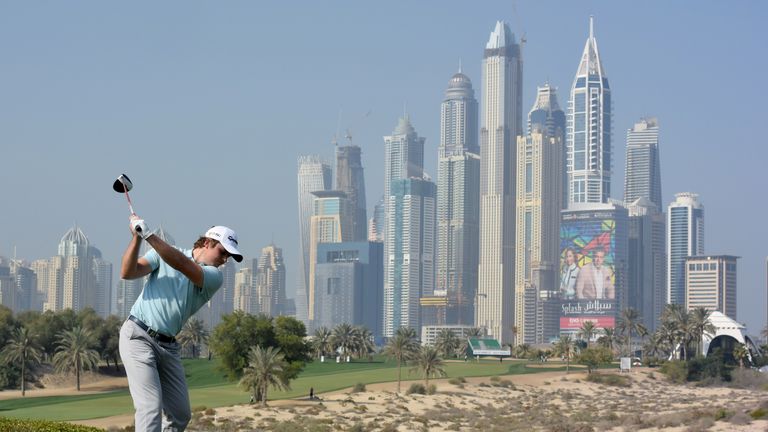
(646, 287)
(710, 282)
(331, 222)
(410, 244)
(270, 281)
(403, 155)
(102, 295)
(500, 125)
(589, 129)
(403, 162)
(458, 204)
(350, 281)
(539, 201)
(76, 290)
(313, 175)
(351, 181)
(643, 169)
(685, 237)
(547, 116)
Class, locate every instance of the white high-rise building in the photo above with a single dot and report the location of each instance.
(458, 203)
(410, 268)
(643, 169)
(589, 129)
(269, 279)
(501, 123)
(710, 282)
(313, 175)
(685, 237)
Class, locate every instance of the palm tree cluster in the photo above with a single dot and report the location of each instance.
(345, 339)
(425, 360)
(71, 341)
(680, 332)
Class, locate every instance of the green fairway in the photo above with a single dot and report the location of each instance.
(209, 388)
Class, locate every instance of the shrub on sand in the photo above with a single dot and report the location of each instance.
(416, 388)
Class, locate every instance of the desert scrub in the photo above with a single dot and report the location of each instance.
(609, 379)
(19, 425)
(432, 389)
(358, 388)
(676, 371)
(416, 388)
(758, 413)
(457, 381)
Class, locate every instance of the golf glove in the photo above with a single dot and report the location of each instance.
(140, 228)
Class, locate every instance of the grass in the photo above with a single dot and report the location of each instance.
(208, 387)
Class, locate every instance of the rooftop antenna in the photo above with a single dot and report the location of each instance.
(459, 64)
(591, 26)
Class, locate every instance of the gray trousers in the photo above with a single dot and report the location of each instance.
(155, 379)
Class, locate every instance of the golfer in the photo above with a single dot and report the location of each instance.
(180, 282)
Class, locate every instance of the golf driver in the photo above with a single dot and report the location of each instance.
(122, 185)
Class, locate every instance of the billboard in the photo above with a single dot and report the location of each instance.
(587, 289)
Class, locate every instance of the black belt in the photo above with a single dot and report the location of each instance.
(153, 333)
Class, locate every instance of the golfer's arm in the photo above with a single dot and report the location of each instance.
(133, 267)
(177, 260)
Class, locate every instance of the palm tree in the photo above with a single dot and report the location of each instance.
(23, 350)
(75, 353)
(447, 343)
(343, 336)
(428, 363)
(678, 322)
(565, 347)
(608, 338)
(192, 335)
(740, 353)
(363, 342)
(699, 324)
(265, 369)
(587, 331)
(401, 347)
(522, 351)
(629, 323)
(321, 343)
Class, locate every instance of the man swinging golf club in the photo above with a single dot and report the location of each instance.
(180, 282)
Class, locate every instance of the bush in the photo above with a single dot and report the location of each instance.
(709, 368)
(758, 413)
(358, 388)
(416, 388)
(432, 389)
(594, 356)
(18, 425)
(609, 379)
(676, 371)
(722, 414)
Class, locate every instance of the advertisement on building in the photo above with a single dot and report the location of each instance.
(587, 270)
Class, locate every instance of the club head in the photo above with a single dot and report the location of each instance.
(122, 184)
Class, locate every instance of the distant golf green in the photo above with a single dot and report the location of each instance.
(208, 387)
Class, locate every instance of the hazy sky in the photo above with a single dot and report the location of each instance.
(206, 106)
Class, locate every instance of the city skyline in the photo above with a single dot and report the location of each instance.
(179, 103)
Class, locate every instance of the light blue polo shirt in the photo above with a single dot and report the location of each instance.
(169, 298)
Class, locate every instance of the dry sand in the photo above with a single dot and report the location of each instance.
(551, 401)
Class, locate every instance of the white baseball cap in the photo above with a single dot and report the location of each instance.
(227, 238)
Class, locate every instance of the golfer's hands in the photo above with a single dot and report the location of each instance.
(139, 227)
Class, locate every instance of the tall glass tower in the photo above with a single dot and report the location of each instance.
(350, 180)
(458, 204)
(589, 129)
(547, 117)
(643, 169)
(313, 175)
(500, 125)
(539, 201)
(685, 237)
